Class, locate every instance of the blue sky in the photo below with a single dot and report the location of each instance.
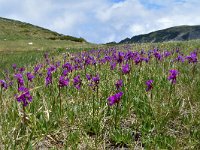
(101, 21)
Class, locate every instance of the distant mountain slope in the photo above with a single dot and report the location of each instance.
(178, 33)
(17, 30)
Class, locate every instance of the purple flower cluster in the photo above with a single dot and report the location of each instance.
(192, 58)
(30, 76)
(14, 66)
(20, 80)
(149, 85)
(21, 70)
(37, 68)
(63, 81)
(94, 80)
(77, 82)
(125, 69)
(180, 58)
(173, 75)
(113, 65)
(157, 55)
(50, 70)
(120, 57)
(25, 96)
(119, 84)
(68, 67)
(115, 98)
(3, 84)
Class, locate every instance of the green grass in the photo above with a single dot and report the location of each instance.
(168, 117)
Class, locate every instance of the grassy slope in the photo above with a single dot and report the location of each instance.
(15, 36)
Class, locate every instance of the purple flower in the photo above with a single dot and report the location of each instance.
(30, 76)
(57, 64)
(180, 58)
(25, 97)
(149, 85)
(125, 69)
(96, 79)
(37, 68)
(65, 72)
(63, 82)
(166, 53)
(14, 66)
(3, 84)
(77, 82)
(21, 70)
(20, 79)
(68, 66)
(115, 98)
(120, 57)
(172, 76)
(192, 58)
(119, 84)
(157, 55)
(52, 68)
(137, 60)
(88, 76)
(113, 65)
(48, 79)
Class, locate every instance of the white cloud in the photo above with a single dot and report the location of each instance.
(103, 20)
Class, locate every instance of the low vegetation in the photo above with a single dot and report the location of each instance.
(142, 96)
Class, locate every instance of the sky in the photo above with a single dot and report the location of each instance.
(102, 21)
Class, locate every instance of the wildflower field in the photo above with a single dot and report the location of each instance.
(107, 98)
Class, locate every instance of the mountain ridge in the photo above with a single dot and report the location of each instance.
(176, 33)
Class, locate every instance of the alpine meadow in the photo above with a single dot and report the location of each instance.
(62, 92)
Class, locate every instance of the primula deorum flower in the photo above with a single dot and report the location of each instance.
(3, 84)
(172, 76)
(115, 98)
(180, 58)
(149, 85)
(88, 76)
(119, 84)
(77, 82)
(21, 70)
(120, 57)
(25, 96)
(48, 79)
(37, 68)
(113, 65)
(157, 55)
(20, 79)
(30, 76)
(192, 58)
(14, 66)
(68, 67)
(63, 82)
(125, 69)
(96, 79)
(94, 82)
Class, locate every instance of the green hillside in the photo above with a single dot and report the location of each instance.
(19, 36)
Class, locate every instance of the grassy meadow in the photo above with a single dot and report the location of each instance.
(121, 97)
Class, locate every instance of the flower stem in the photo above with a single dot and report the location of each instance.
(60, 100)
(93, 107)
(24, 115)
(116, 115)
